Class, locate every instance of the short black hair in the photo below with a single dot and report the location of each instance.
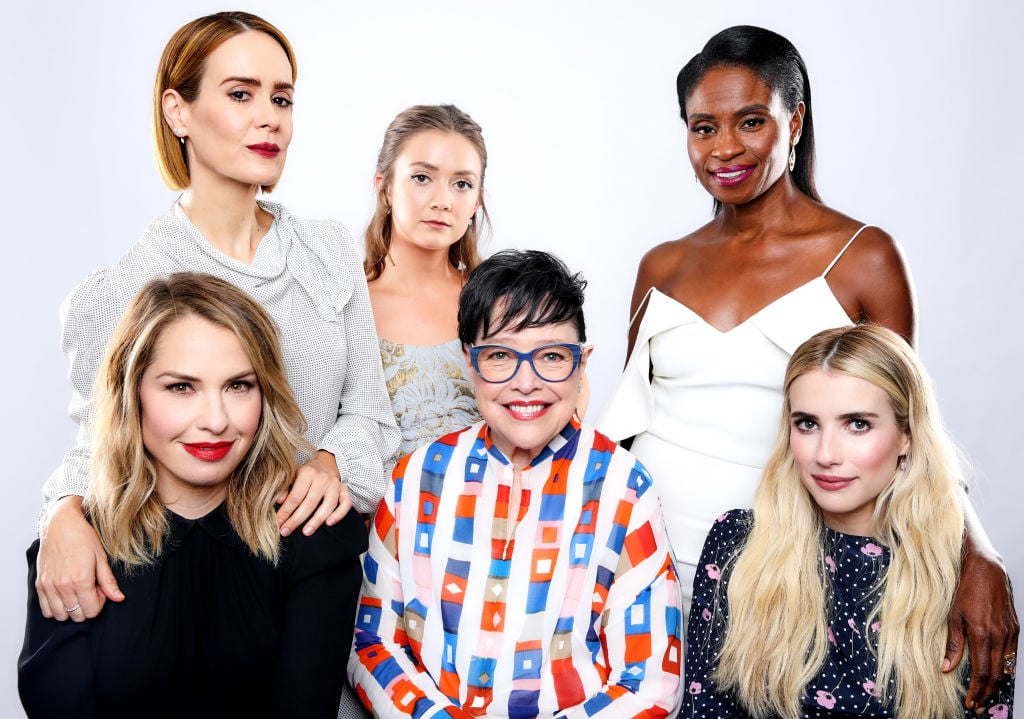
(531, 288)
(777, 62)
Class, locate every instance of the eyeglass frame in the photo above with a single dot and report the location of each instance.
(576, 348)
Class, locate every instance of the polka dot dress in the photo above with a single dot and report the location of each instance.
(845, 686)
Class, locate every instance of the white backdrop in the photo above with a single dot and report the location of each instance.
(917, 107)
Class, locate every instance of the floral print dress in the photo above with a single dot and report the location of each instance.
(845, 686)
(430, 392)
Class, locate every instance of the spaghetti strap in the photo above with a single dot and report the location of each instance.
(640, 306)
(843, 251)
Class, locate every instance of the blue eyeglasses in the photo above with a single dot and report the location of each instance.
(552, 363)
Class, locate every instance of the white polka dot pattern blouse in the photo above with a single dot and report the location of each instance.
(309, 277)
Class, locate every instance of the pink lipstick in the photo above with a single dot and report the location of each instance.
(265, 149)
(732, 175)
(831, 483)
(208, 451)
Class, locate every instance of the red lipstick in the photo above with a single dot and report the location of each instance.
(265, 149)
(208, 451)
(527, 411)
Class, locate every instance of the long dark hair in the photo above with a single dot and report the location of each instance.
(776, 62)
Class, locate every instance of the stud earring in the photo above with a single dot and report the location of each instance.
(792, 158)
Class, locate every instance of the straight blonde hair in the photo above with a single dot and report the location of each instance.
(122, 502)
(778, 594)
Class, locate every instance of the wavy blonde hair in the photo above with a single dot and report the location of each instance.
(122, 501)
(778, 593)
(464, 255)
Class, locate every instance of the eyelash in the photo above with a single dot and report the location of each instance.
(802, 425)
(806, 425)
(462, 185)
(244, 96)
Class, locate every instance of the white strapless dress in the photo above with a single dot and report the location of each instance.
(705, 405)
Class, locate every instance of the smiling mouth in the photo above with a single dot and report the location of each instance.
(208, 451)
(526, 412)
(732, 176)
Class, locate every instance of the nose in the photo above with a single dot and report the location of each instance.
(267, 114)
(442, 198)
(828, 452)
(214, 415)
(727, 146)
(525, 379)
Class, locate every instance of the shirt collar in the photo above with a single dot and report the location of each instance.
(563, 444)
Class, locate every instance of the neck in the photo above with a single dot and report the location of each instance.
(774, 208)
(409, 262)
(227, 216)
(192, 502)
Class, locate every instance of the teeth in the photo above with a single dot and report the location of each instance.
(526, 409)
(730, 175)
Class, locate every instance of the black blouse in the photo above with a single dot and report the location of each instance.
(209, 630)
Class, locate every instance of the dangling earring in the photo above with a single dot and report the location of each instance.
(387, 210)
(903, 462)
(792, 157)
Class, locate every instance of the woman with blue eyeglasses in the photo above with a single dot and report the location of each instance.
(520, 567)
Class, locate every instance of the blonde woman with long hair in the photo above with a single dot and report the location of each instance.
(196, 437)
(830, 598)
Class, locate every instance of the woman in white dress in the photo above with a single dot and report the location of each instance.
(717, 313)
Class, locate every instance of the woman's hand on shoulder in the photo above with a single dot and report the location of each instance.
(72, 571)
(874, 276)
(318, 494)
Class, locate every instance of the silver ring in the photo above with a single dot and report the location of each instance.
(71, 610)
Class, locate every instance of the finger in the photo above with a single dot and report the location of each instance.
(344, 505)
(297, 493)
(302, 513)
(45, 605)
(331, 500)
(89, 603)
(954, 645)
(981, 672)
(107, 582)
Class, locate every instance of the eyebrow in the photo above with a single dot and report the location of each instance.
(256, 83)
(797, 414)
(434, 168)
(742, 111)
(181, 377)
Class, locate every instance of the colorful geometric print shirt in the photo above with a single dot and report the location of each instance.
(576, 615)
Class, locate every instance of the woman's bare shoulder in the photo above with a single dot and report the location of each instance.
(663, 260)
